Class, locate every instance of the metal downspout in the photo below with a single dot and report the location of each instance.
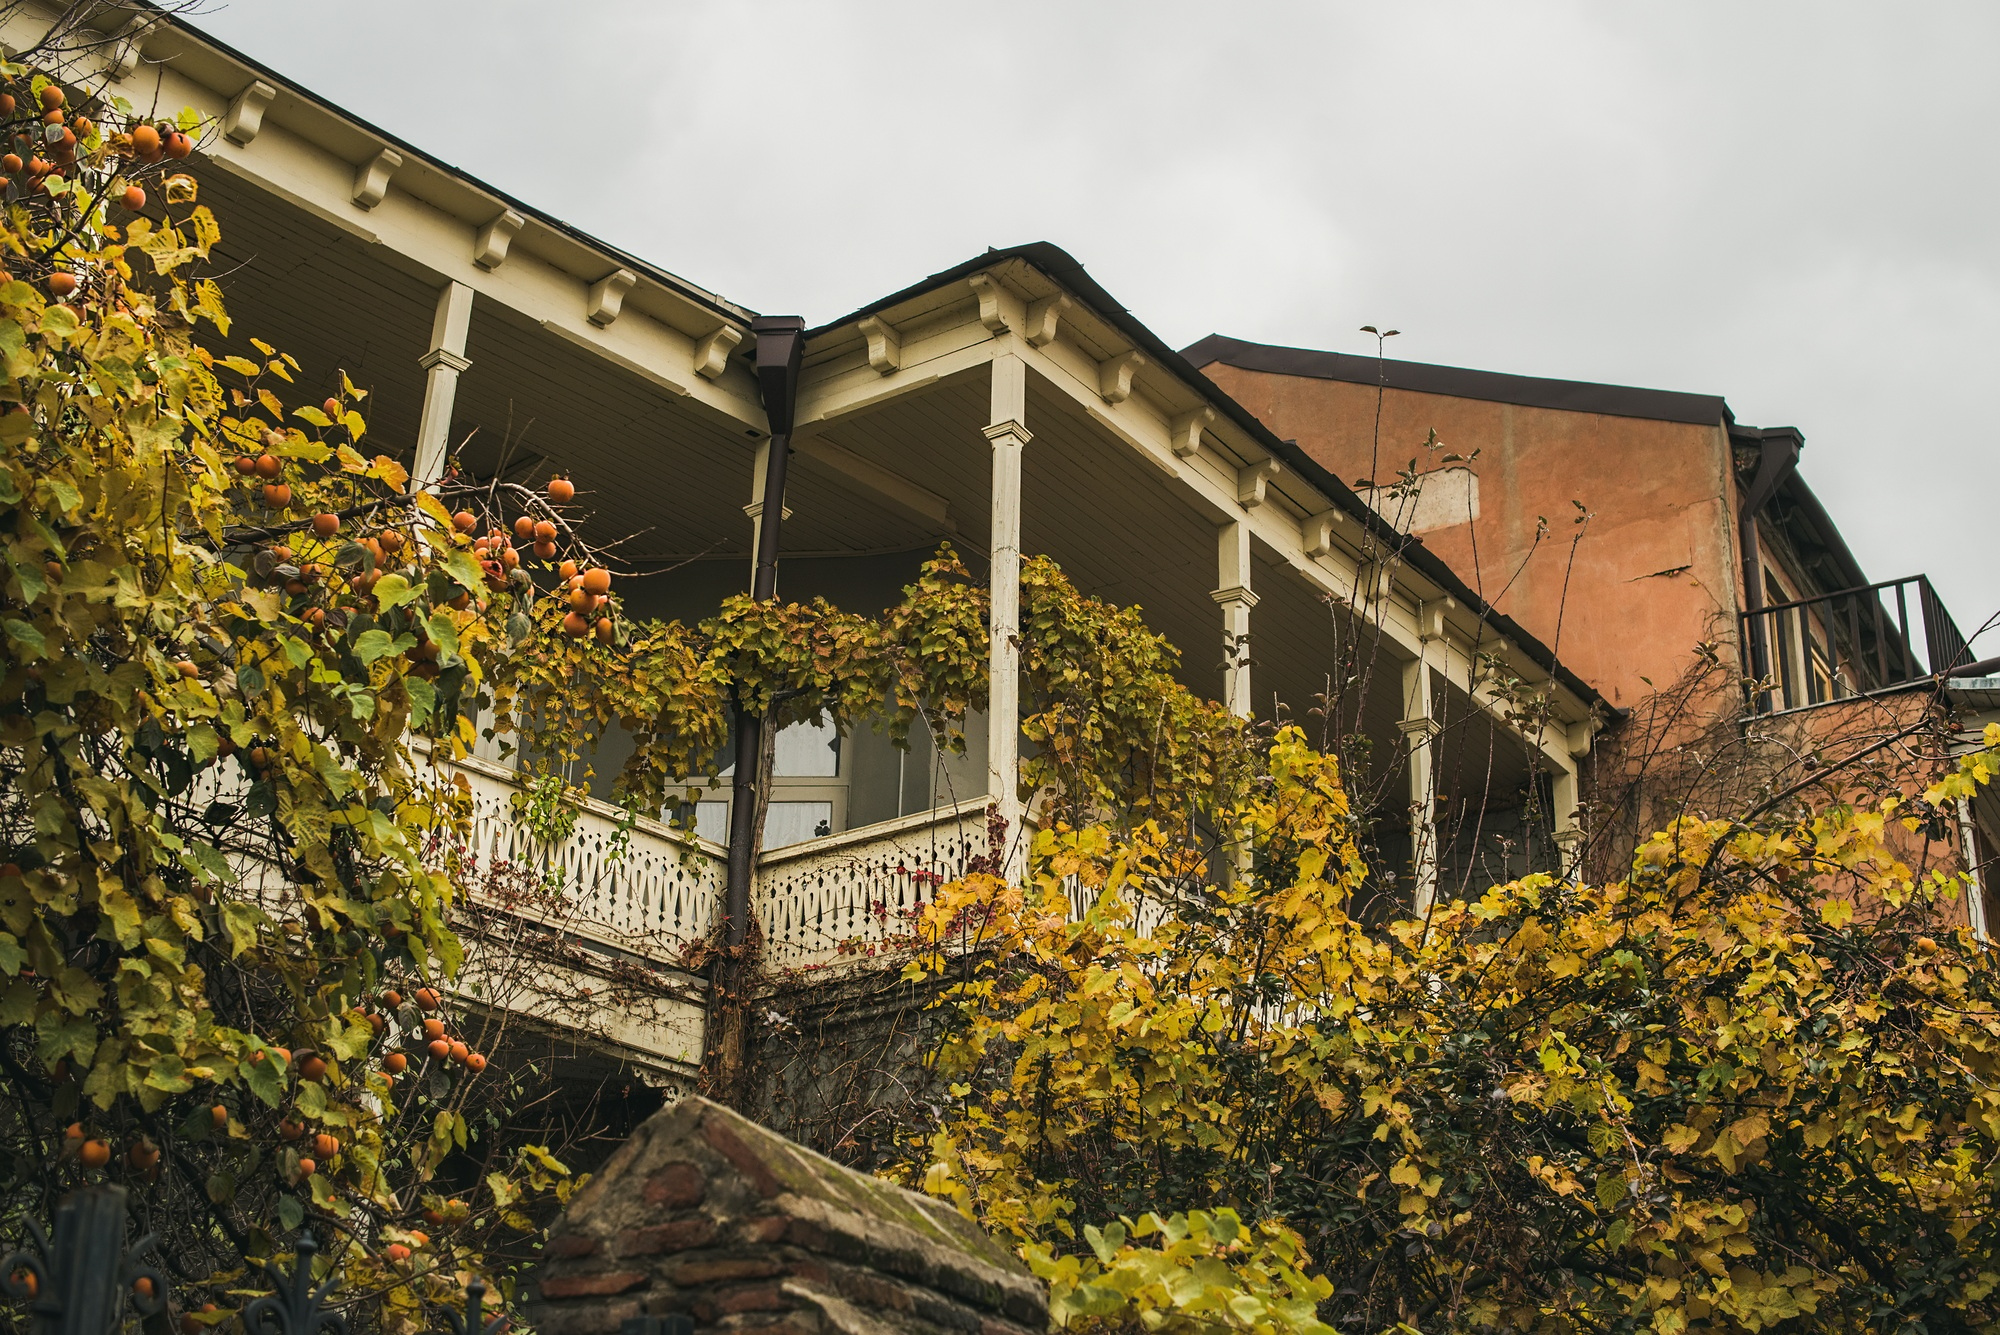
(780, 347)
(1777, 457)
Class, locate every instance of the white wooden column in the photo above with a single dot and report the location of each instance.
(1975, 881)
(442, 365)
(1419, 730)
(1234, 595)
(1563, 789)
(1008, 433)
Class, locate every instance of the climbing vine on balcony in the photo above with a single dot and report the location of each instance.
(1111, 728)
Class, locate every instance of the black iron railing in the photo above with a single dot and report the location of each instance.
(1857, 642)
(87, 1281)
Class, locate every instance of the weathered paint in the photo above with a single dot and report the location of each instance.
(1655, 571)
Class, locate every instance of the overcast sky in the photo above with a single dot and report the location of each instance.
(1792, 205)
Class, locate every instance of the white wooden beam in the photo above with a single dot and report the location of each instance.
(893, 487)
(1420, 729)
(1234, 595)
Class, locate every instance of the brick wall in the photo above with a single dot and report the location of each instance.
(705, 1214)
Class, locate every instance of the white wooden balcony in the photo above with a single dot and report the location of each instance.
(641, 887)
(849, 898)
(627, 882)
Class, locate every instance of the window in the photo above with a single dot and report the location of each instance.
(1778, 645)
(809, 750)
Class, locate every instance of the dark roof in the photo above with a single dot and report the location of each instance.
(1576, 396)
(1061, 267)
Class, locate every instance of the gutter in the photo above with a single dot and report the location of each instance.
(1060, 267)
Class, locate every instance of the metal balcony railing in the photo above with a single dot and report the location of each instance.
(1857, 642)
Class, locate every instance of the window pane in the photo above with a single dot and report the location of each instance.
(711, 821)
(807, 751)
(795, 822)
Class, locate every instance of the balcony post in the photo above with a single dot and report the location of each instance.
(1568, 831)
(1233, 593)
(1008, 433)
(1419, 730)
(442, 366)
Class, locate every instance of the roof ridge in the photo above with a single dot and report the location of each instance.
(1584, 396)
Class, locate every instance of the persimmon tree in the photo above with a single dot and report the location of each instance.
(1749, 1085)
(233, 649)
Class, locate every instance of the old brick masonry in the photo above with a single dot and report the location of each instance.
(705, 1213)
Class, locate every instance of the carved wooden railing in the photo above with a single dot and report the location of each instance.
(627, 881)
(850, 897)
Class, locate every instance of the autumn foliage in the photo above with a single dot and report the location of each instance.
(233, 647)
(1751, 1085)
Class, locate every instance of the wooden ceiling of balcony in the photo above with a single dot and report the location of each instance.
(667, 480)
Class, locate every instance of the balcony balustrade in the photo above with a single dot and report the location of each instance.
(1850, 644)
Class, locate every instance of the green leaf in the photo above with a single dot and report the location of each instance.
(17, 1004)
(242, 921)
(462, 568)
(121, 913)
(374, 644)
(290, 1213)
(168, 1073)
(392, 591)
(58, 1035)
(11, 954)
(264, 1078)
(209, 863)
(423, 699)
(27, 637)
(33, 583)
(445, 632)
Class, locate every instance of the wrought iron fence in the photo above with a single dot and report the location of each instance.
(85, 1279)
(1856, 642)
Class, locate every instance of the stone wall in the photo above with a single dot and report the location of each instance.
(705, 1214)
